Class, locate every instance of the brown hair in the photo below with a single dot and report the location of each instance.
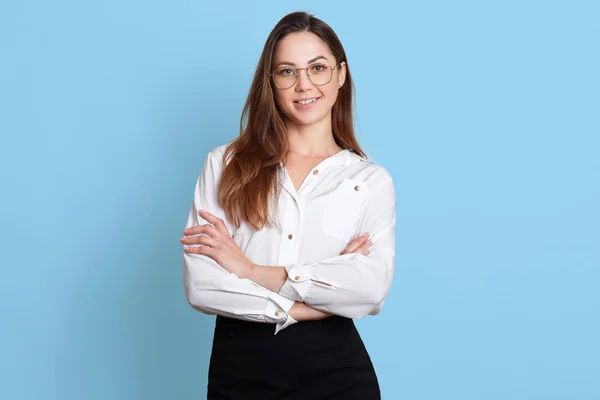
(249, 178)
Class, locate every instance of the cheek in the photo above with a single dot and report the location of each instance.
(281, 100)
(331, 88)
(330, 92)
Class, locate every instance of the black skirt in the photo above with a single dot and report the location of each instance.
(309, 360)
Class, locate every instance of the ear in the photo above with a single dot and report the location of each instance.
(341, 74)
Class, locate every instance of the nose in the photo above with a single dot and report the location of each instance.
(303, 83)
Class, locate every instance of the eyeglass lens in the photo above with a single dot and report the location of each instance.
(319, 74)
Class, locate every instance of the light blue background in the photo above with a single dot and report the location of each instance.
(486, 114)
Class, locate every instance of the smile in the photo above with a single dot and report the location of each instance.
(308, 101)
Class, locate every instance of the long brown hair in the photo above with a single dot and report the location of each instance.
(249, 177)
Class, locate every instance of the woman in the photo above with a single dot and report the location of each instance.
(291, 232)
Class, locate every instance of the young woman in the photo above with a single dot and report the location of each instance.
(291, 232)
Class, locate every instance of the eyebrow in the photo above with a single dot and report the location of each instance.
(309, 61)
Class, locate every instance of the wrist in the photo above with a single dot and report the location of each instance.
(303, 312)
(297, 311)
(271, 278)
(249, 271)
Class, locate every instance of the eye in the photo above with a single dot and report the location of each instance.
(285, 72)
(319, 68)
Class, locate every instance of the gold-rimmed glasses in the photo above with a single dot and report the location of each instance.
(319, 73)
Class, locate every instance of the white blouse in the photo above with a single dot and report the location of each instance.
(345, 194)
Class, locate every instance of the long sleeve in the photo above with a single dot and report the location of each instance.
(211, 289)
(354, 285)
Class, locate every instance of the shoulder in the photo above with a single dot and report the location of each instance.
(218, 151)
(214, 157)
(212, 164)
(372, 173)
(380, 184)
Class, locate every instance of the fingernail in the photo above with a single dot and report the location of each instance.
(369, 242)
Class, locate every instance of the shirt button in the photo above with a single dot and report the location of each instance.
(357, 188)
(290, 236)
(316, 171)
(296, 278)
(277, 313)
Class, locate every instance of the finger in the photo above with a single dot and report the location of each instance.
(206, 229)
(352, 245)
(355, 243)
(217, 222)
(198, 239)
(194, 230)
(205, 250)
(363, 247)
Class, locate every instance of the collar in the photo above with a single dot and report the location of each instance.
(344, 157)
(348, 157)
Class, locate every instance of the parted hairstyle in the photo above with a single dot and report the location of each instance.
(249, 177)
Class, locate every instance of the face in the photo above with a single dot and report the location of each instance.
(299, 50)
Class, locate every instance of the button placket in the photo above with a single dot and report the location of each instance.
(288, 249)
(311, 179)
(294, 239)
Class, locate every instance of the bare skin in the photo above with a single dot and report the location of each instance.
(298, 166)
(309, 131)
(217, 243)
(311, 140)
(304, 312)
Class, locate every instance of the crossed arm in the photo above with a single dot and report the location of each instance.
(219, 279)
(219, 246)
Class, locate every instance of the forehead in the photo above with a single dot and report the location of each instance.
(299, 47)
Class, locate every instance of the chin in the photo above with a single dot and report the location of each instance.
(305, 120)
(308, 118)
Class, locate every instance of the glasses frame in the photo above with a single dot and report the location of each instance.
(307, 74)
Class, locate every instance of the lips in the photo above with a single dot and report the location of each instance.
(307, 101)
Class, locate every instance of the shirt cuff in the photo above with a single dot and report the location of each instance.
(282, 325)
(298, 281)
(277, 307)
(283, 302)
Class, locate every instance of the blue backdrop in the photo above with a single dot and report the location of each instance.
(486, 114)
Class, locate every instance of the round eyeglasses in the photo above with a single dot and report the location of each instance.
(319, 74)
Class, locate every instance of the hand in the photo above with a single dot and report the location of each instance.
(304, 312)
(358, 244)
(217, 243)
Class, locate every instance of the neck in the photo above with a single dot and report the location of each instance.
(314, 140)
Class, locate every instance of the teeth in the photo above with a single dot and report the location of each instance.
(307, 101)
